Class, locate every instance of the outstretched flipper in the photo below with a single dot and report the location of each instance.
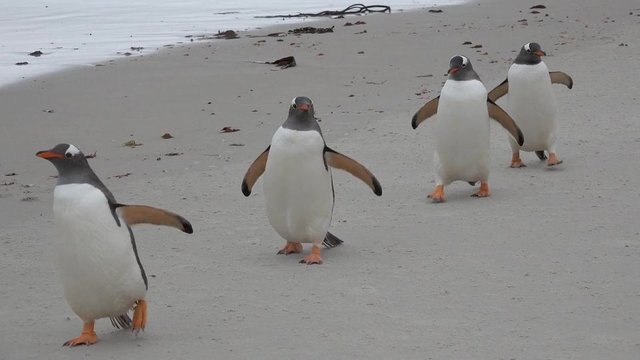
(558, 77)
(428, 110)
(501, 116)
(342, 162)
(499, 91)
(142, 214)
(255, 170)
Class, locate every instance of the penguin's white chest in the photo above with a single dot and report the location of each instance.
(532, 104)
(297, 186)
(98, 267)
(462, 132)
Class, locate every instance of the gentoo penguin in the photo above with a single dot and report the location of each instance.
(532, 103)
(298, 186)
(462, 129)
(99, 265)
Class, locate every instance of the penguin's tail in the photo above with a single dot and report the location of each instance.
(331, 241)
(121, 322)
(541, 155)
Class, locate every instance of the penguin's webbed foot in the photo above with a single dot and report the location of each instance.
(291, 248)
(516, 162)
(87, 337)
(313, 258)
(484, 190)
(553, 160)
(139, 316)
(438, 194)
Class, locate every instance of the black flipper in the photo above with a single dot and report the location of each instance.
(331, 241)
(541, 155)
(121, 322)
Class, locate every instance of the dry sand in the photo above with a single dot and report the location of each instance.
(546, 268)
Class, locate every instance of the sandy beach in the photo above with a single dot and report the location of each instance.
(546, 268)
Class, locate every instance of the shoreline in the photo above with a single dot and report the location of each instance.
(96, 44)
(544, 268)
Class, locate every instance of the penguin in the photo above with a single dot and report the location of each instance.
(532, 103)
(298, 185)
(461, 129)
(101, 272)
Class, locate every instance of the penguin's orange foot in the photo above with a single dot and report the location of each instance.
(291, 248)
(87, 337)
(516, 162)
(313, 258)
(438, 194)
(139, 316)
(484, 190)
(553, 160)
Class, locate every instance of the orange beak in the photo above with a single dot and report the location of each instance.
(303, 107)
(540, 53)
(48, 154)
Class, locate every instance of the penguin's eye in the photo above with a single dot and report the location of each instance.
(294, 106)
(529, 50)
(68, 155)
(464, 65)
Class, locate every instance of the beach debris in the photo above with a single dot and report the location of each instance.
(275, 34)
(478, 46)
(467, 43)
(131, 144)
(356, 23)
(91, 156)
(283, 63)
(349, 10)
(360, 52)
(361, 32)
(122, 175)
(228, 129)
(229, 34)
(12, 182)
(36, 53)
(10, 174)
(435, 11)
(311, 30)
(169, 136)
(29, 198)
(136, 48)
(173, 154)
(22, 63)
(236, 144)
(48, 111)
(537, 7)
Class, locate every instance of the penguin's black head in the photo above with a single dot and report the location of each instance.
(460, 69)
(301, 115)
(530, 54)
(301, 105)
(65, 157)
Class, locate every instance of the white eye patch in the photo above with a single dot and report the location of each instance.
(72, 150)
(293, 102)
(465, 61)
(527, 47)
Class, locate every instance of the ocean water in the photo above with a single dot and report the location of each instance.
(84, 32)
